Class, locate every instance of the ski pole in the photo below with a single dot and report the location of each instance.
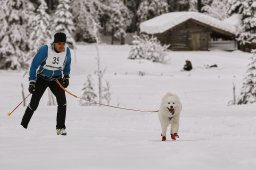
(9, 113)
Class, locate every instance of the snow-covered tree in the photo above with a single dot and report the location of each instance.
(148, 48)
(63, 21)
(247, 9)
(151, 8)
(192, 5)
(30, 17)
(41, 33)
(84, 12)
(197, 5)
(89, 96)
(181, 5)
(119, 19)
(248, 90)
(52, 5)
(133, 6)
(217, 9)
(13, 35)
(106, 94)
(137, 51)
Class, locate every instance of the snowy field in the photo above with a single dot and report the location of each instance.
(213, 135)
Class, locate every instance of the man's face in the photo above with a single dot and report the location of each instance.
(59, 46)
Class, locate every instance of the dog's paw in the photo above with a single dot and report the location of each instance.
(174, 136)
(163, 137)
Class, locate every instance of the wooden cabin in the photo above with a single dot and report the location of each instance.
(191, 31)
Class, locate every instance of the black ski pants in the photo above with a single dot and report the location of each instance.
(41, 85)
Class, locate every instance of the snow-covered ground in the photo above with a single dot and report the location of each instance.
(213, 135)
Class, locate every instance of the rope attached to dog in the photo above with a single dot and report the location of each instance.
(106, 105)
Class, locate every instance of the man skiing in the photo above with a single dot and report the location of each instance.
(51, 63)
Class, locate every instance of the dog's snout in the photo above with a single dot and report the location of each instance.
(171, 107)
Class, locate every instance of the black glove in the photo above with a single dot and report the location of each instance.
(32, 87)
(65, 81)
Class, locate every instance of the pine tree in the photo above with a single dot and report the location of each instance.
(136, 51)
(133, 6)
(119, 19)
(13, 36)
(197, 5)
(181, 5)
(89, 96)
(192, 5)
(149, 48)
(84, 12)
(248, 90)
(52, 5)
(63, 21)
(153, 50)
(41, 33)
(217, 9)
(247, 9)
(151, 8)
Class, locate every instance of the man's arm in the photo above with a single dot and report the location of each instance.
(66, 70)
(37, 60)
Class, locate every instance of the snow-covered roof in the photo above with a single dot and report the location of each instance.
(169, 20)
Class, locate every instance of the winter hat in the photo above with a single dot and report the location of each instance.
(60, 37)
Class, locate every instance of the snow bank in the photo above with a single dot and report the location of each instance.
(212, 134)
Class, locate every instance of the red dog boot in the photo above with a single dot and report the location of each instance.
(174, 136)
(163, 137)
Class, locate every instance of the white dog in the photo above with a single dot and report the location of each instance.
(169, 114)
